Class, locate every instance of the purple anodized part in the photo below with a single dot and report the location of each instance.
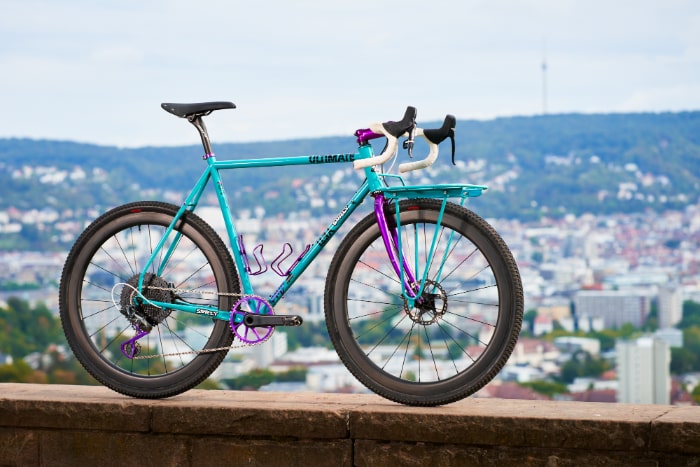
(129, 348)
(250, 335)
(364, 135)
(257, 255)
(390, 242)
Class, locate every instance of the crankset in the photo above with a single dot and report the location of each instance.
(253, 320)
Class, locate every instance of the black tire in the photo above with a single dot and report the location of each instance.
(464, 334)
(112, 252)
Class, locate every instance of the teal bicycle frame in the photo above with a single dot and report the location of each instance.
(374, 184)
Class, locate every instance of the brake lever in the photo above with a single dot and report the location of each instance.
(408, 143)
(447, 130)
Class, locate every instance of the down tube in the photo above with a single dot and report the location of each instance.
(316, 248)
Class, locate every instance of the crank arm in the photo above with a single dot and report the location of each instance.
(253, 320)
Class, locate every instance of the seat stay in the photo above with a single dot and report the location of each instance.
(189, 205)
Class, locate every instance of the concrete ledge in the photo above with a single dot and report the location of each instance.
(89, 425)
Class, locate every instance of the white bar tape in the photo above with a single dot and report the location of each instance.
(391, 147)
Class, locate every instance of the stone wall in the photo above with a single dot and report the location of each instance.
(85, 426)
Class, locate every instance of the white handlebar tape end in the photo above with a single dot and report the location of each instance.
(391, 147)
(427, 162)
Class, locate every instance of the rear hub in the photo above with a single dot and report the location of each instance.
(154, 289)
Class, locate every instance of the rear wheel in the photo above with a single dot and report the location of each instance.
(97, 294)
(459, 333)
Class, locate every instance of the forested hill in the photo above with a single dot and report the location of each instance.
(534, 166)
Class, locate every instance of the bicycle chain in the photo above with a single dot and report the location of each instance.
(200, 292)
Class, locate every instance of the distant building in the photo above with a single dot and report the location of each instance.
(583, 323)
(521, 374)
(615, 307)
(670, 306)
(315, 307)
(555, 311)
(332, 378)
(533, 352)
(573, 344)
(643, 371)
(672, 336)
(542, 325)
(275, 347)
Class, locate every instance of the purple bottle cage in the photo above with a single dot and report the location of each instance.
(276, 264)
(257, 254)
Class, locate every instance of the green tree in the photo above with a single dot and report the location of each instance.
(260, 377)
(683, 361)
(251, 380)
(548, 388)
(607, 338)
(696, 394)
(691, 315)
(297, 374)
(583, 364)
(24, 330)
(651, 323)
(208, 384)
(529, 319)
(16, 372)
(626, 331)
(310, 334)
(687, 359)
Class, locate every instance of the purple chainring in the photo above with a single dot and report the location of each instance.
(250, 335)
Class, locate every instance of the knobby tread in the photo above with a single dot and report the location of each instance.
(100, 367)
(359, 364)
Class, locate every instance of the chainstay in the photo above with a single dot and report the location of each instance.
(203, 351)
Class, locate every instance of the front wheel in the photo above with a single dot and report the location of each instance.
(456, 336)
(102, 315)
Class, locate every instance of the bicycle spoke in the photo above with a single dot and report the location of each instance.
(116, 330)
(439, 338)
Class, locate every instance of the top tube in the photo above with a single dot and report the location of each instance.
(285, 161)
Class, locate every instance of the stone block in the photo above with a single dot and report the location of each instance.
(513, 422)
(101, 448)
(81, 425)
(71, 407)
(214, 452)
(18, 447)
(374, 453)
(678, 431)
(251, 414)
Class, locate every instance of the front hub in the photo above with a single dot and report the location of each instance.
(430, 306)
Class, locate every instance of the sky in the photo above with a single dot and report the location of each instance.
(97, 71)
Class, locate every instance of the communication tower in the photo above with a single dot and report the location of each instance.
(544, 79)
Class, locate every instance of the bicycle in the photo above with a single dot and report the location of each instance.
(423, 299)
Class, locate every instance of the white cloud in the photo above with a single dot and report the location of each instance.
(97, 71)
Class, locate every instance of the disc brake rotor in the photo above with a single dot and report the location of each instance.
(431, 305)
